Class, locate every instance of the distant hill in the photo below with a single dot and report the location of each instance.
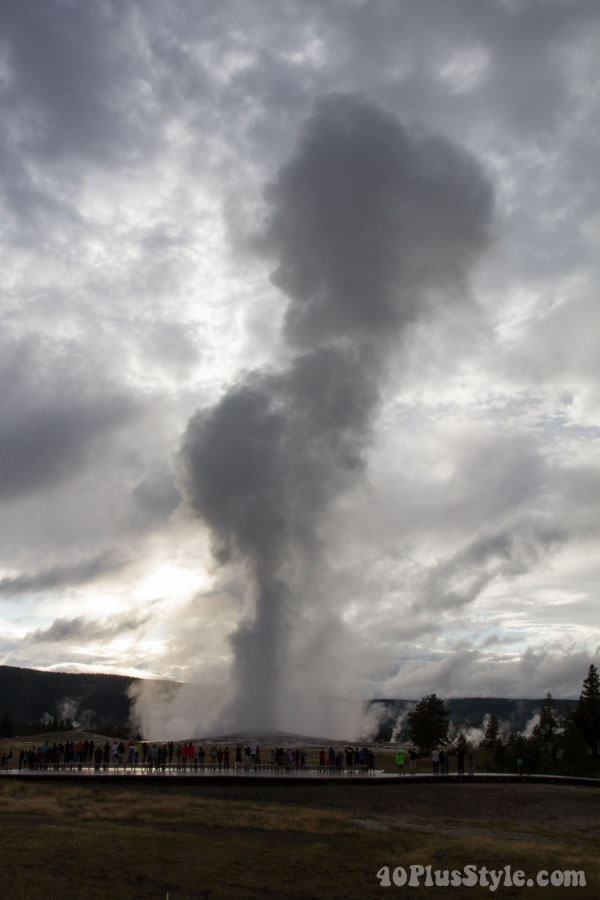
(31, 697)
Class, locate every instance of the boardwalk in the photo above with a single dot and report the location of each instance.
(309, 774)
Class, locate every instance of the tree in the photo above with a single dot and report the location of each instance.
(491, 730)
(542, 744)
(428, 722)
(574, 752)
(546, 728)
(462, 744)
(499, 755)
(587, 714)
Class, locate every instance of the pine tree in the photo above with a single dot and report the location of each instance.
(428, 722)
(587, 714)
(542, 743)
(574, 749)
(462, 744)
(547, 726)
(491, 730)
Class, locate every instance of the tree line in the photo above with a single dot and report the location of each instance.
(565, 743)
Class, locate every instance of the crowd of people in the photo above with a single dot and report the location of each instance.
(440, 761)
(186, 756)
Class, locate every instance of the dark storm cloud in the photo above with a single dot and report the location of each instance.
(61, 576)
(55, 411)
(365, 221)
(81, 629)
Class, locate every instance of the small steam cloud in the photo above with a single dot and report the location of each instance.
(370, 226)
(531, 724)
(401, 722)
(69, 709)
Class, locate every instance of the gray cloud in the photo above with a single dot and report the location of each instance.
(459, 580)
(82, 629)
(156, 497)
(470, 671)
(53, 416)
(68, 71)
(61, 576)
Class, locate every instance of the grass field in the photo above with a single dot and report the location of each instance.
(282, 840)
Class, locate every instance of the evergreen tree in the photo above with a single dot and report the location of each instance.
(545, 730)
(587, 714)
(574, 750)
(462, 744)
(428, 723)
(491, 731)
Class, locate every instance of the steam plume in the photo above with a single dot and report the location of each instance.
(370, 225)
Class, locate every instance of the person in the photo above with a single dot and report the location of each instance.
(443, 763)
(471, 762)
(400, 760)
(412, 760)
(363, 760)
(435, 759)
(371, 762)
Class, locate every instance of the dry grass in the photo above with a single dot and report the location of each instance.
(165, 808)
(142, 842)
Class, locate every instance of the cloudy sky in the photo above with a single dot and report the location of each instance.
(193, 260)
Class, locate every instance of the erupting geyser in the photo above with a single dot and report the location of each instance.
(371, 226)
